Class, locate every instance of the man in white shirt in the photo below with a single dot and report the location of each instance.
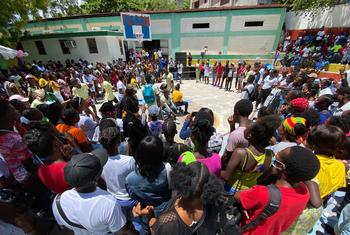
(116, 170)
(169, 79)
(86, 209)
(343, 95)
(179, 71)
(121, 89)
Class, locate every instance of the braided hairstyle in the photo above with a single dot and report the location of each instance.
(195, 181)
(202, 129)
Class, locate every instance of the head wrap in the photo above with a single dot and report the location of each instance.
(289, 124)
(300, 104)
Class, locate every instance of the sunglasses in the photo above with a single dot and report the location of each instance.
(277, 164)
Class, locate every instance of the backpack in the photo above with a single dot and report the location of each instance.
(231, 216)
(253, 95)
(148, 94)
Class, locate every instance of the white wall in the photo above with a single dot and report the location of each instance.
(196, 44)
(108, 49)
(250, 44)
(216, 24)
(270, 22)
(160, 26)
(339, 16)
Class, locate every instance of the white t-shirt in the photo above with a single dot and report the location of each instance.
(245, 94)
(88, 125)
(306, 52)
(121, 86)
(98, 212)
(348, 76)
(114, 174)
(179, 68)
(268, 82)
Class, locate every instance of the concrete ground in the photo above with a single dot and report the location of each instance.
(220, 101)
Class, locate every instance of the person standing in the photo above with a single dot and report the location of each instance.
(201, 69)
(179, 71)
(230, 77)
(219, 70)
(242, 110)
(197, 71)
(226, 70)
(206, 72)
(213, 72)
(189, 58)
(169, 79)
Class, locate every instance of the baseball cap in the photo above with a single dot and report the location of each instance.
(86, 167)
(19, 97)
(153, 110)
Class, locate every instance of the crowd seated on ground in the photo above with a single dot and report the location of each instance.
(93, 149)
(316, 49)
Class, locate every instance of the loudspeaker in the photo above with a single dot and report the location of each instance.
(181, 56)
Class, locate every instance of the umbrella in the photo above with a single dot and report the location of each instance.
(8, 53)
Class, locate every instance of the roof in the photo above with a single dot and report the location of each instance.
(163, 11)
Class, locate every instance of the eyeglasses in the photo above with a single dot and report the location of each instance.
(277, 164)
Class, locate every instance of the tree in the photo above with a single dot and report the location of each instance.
(313, 6)
(14, 14)
(105, 6)
(59, 8)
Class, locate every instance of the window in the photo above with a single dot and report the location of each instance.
(64, 47)
(196, 4)
(40, 46)
(200, 26)
(224, 2)
(121, 47)
(253, 23)
(92, 45)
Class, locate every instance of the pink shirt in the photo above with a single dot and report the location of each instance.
(237, 139)
(213, 163)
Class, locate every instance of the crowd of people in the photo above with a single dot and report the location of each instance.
(316, 49)
(93, 149)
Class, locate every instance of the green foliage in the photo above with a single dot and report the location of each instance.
(14, 14)
(314, 6)
(58, 8)
(105, 6)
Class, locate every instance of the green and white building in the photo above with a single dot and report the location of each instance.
(229, 33)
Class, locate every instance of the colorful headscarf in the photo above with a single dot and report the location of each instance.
(300, 104)
(290, 123)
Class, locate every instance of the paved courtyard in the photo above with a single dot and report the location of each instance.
(218, 100)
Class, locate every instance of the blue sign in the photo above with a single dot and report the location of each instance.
(136, 26)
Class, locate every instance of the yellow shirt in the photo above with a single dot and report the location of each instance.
(331, 176)
(109, 96)
(133, 82)
(177, 96)
(82, 92)
(54, 86)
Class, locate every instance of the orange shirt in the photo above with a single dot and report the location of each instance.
(77, 133)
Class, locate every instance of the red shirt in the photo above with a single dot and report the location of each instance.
(293, 202)
(53, 177)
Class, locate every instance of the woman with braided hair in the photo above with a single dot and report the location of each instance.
(201, 131)
(247, 164)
